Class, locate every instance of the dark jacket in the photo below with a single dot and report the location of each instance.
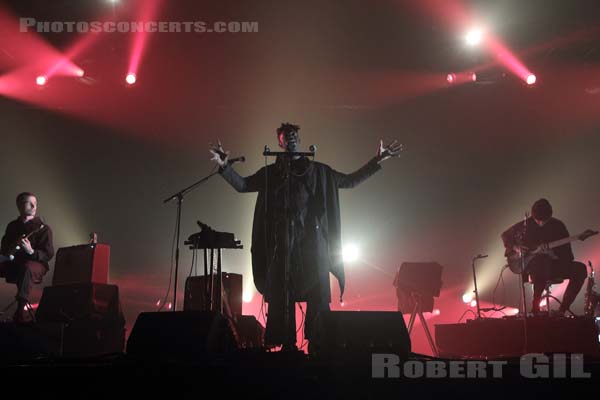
(41, 242)
(316, 226)
(531, 235)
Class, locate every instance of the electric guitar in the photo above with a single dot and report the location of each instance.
(516, 260)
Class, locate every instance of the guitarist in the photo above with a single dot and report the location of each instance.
(539, 230)
(30, 262)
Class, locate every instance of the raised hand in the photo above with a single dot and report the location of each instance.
(391, 150)
(219, 155)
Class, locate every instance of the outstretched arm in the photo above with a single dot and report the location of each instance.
(241, 184)
(348, 181)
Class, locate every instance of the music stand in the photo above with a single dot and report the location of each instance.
(416, 286)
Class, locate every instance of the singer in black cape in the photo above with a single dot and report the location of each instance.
(315, 236)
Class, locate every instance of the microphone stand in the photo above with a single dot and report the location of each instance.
(288, 157)
(179, 197)
(475, 284)
(523, 293)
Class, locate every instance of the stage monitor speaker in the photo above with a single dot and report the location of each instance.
(90, 315)
(79, 302)
(356, 335)
(251, 334)
(181, 335)
(423, 279)
(82, 264)
(194, 299)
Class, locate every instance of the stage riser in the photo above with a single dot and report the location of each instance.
(493, 338)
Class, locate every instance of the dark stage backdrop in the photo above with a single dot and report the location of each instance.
(102, 156)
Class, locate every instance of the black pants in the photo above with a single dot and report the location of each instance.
(276, 331)
(24, 274)
(543, 268)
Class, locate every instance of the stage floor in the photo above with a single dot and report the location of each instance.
(254, 374)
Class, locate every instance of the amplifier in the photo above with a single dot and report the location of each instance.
(82, 264)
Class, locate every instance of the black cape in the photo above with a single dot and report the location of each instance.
(319, 247)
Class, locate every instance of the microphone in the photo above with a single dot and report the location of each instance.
(238, 159)
(479, 256)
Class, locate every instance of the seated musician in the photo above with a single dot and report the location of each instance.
(25, 251)
(540, 229)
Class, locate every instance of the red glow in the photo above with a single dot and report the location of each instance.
(148, 10)
(509, 60)
(131, 78)
(64, 66)
(33, 306)
(467, 297)
(461, 77)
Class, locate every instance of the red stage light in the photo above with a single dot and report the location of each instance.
(473, 76)
(451, 78)
(41, 80)
(531, 79)
(474, 303)
(130, 78)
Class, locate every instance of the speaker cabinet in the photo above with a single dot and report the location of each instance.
(84, 319)
(355, 335)
(250, 332)
(82, 264)
(181, 335)
(195, 288)
(77, 302)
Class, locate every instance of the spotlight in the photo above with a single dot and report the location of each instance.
(473, 37)
(451, 78)
(473, 76)
(350, 253)
(80, 73)
(131, 78)
(473, 303)
(531, 79)
(170, 306)
(247, 297)
(158, 303)
(41, 80)
(436, 312)
(467, 297)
